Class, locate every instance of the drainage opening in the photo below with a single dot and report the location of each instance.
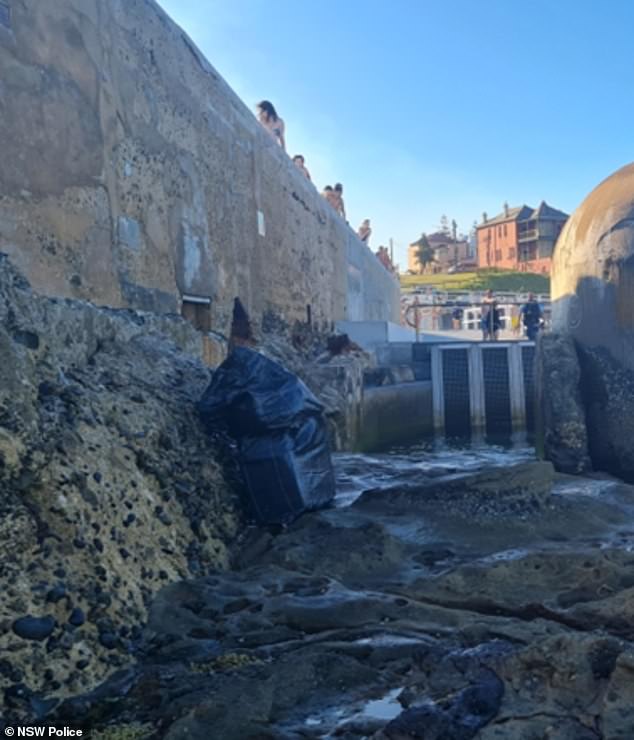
(455, 375)
(497, 391)
(528, 368)
(197, 310)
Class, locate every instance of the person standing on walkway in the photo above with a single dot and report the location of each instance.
(489, 314)
(456, 318)
(531, 317)
(267, 116)
(515, 320)
(491, 323)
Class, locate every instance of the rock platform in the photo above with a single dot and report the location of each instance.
(490, 604)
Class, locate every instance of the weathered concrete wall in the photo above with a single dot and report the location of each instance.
(593, 269)
(132, 174)
(394, 414)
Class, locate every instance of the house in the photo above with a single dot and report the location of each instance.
(448, 252)
(520, 238)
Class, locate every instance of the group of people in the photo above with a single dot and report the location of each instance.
(334, 196)
(268, 117)
(530, 314)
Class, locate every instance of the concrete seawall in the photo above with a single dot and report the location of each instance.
(133, 176)
(396, 414)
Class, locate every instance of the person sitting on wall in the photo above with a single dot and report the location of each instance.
(298, 161)
(339, 206)
(329, 194)
(384, 258)
(267, 115)
(364, 232)
(531, 317)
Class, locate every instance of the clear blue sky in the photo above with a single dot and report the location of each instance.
(425, 107)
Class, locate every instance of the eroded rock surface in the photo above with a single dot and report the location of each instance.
(406, 615)
(109, 488)
(561, 409)
(608, 390)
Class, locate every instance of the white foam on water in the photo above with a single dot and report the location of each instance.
(356, 473)
(584, 487)
(505, 555)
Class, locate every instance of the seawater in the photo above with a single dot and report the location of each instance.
(432, 458)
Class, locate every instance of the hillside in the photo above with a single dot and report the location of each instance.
(500, 280)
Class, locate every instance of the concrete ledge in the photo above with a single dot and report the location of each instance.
(368, 334)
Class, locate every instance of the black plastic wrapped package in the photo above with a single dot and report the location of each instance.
(281, 433)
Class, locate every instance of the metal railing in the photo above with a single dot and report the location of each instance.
(471, 314)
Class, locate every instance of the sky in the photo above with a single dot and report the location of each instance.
(430, 107)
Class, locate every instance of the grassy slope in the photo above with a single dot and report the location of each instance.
(502, 280)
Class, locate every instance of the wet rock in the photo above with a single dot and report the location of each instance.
(17, 695)
(562, 416)
(346, 546)
(315, 654)
(77, 617)
(486, 491)
(460, 717)
(34, 628)
(109, 640)
(607, 389)
(57, 593)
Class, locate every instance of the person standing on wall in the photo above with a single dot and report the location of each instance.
(339, 207)
(364, 232)
(267, 115)
(531, 317)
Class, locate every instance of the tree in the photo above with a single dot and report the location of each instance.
(473, 240)
(444, 225)
(424, 253)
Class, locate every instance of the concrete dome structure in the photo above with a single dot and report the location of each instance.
(593, 270)
(593, 303)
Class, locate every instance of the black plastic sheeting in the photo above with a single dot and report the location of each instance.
(281, 433)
